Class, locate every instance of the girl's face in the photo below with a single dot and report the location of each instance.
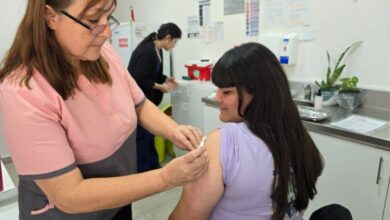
(227, 98)
(78, 42)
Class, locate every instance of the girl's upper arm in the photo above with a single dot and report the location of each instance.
(200, 197)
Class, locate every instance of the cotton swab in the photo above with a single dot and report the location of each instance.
(202, 142)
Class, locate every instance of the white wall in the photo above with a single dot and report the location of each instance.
(10, 15)
(338, 23)
(177, 11)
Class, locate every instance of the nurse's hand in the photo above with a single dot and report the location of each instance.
(186, 168)
(186, 137)
(164, 88)
(172, 84)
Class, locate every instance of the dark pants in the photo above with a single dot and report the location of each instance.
(124, 213)
(147, 158)
(331, 212)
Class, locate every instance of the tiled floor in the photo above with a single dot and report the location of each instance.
(157, 207)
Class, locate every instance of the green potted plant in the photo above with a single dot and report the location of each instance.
(328, 86)
(350, 96)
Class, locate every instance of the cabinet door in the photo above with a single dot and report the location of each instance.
(386, 206)
(179, 101)
(195, 106)
(350, 178)
(180, 111)
(211, 118)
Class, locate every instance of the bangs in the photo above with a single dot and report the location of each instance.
(222, 74)
(92, 3)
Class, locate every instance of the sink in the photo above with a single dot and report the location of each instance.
(307, 112)
(312, 114)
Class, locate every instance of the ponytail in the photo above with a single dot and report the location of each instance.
(151, 37)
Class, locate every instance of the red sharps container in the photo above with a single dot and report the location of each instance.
(199, 69)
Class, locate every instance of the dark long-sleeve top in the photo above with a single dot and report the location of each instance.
(146, 68)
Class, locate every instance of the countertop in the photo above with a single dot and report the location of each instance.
(379, 138)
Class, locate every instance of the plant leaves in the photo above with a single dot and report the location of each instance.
(349, 84)
(332, 76)
(354, 80)
(344, 53)
(329, 69)
(336, 74)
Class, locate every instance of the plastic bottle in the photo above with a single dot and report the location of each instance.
(318, 100)
(307, 92)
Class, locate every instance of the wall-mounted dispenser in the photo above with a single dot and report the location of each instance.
(284, 46)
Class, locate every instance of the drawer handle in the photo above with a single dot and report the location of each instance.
(378, 176)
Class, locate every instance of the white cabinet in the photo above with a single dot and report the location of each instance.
(187, 106)
(386, 211)
(180, 105)
(352, 178)
(211, 118)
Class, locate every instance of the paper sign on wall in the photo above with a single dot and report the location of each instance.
(123, 42)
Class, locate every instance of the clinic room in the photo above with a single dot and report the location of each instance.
(195, 109)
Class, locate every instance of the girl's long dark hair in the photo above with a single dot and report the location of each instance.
(273, 116)
(165, 29)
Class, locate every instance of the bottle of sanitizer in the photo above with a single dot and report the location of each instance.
(318, 100)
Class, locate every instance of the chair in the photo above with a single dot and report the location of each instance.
(331, 212)
(162, 145)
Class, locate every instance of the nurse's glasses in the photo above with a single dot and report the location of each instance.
(95, 29)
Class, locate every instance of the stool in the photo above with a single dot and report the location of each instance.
(162, 145)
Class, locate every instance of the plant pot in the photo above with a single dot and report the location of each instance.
(350, 100)
(328, 96)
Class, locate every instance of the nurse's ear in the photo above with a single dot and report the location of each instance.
(50, 17)
(168, 37)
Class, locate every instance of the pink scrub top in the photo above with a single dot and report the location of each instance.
(48, 136)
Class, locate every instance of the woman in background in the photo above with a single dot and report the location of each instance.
(263, 164)
(69, 112)
(146, 67)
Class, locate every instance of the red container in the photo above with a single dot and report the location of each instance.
(199, 71)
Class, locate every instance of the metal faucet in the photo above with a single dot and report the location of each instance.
(307, 92)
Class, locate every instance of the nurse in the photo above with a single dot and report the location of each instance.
(146, 67)
(69, 114)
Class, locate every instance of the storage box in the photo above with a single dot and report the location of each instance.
(200, 70)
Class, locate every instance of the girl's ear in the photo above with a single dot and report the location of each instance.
(50, 17)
